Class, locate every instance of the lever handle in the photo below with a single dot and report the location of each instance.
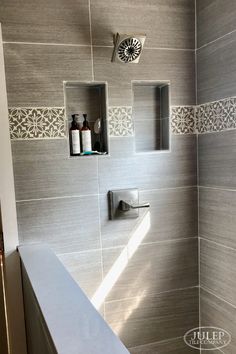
(124, 206)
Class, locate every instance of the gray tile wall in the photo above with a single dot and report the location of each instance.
(213, 20)
(217, 161)
(218, 313)
(216, 34)
(172, 313)
(63, 201)
(155, 64)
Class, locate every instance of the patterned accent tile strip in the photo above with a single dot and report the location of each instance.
(120, 122)
(183, 120)
(37, 122)
(217, 116)
(49, 122)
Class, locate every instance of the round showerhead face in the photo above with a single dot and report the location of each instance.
(129, 49)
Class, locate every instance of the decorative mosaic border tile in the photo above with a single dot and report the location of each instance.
(120, 122)
(183, 120)
(37, 122)
(216, 116)
(209, 117)
(49, 122)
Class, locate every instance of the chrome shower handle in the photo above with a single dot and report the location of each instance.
(124, 206)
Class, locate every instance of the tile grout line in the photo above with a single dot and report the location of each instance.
(102, 194)
(38, 139)
(153, 293)
(167, 189)
(196, 93)
(122, 246)
(91, 37)
(220, 350)
(204, 238)
(218, 188)
(48, 44)
(198, 190)
(156, 242)
(159, 342)
(88, 45)
(217, 132)
(196, 130)
(217, 296)
(215, 101)
(56, 198)
(199, 243)
(166, 48)
(37, 107)
(215, 40)
(78, 252)
(150, 48)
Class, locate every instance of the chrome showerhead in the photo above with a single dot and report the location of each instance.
(128, 48)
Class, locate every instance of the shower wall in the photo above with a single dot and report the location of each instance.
(217, 168)
(62, 201)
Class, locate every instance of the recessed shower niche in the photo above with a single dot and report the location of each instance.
(89, 98)
(151, 115)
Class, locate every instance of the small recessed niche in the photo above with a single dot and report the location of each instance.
(151, 116)
(88, 98)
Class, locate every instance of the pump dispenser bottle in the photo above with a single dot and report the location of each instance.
(86, 135)
(74, 136)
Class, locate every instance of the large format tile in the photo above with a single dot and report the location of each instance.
(174, 346)
(85, 268)
(173, 215)
(217, 269)
(42, 169)
(39, 150)
(166, 24)
(214, 19)
(153, 268)
(159, 65)
(217, 313)
(67, 224)
(45, 21)
(35, 73)
(216, 72)
(152, 171)
(143, 320)
(217, 210)
(217, 159)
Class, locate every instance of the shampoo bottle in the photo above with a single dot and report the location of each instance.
(74, 136)
(86, 135)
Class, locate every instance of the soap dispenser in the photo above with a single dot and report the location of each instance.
(74, 136)
(86, 135)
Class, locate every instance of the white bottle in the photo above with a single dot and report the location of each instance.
(74, 134)
(86, 135)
